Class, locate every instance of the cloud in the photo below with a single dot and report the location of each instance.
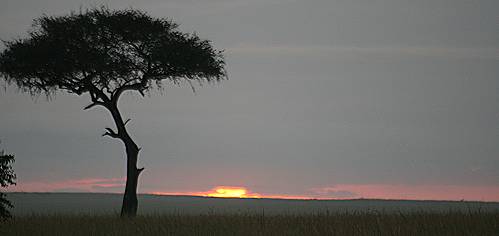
(311, 50)
(74, 185)
(412, 192)
(332, 192)
(203, 7)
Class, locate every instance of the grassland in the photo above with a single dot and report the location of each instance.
(96, 214)
(108, 204)
(415, 223)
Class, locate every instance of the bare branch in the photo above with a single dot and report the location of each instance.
(192, 86)
(110, 132)
(95, 103)
(96, 93)
(139, 87)
(126, 122)
(141, 91)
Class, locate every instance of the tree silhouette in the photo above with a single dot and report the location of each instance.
(105, 53)
(7, 177)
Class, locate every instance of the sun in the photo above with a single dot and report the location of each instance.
(230, 192)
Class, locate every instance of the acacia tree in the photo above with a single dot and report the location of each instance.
(105, 53)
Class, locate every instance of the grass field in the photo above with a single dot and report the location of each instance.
(109, 204)
(452, 223)
(96, 214)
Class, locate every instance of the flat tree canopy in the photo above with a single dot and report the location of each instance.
(105, 53)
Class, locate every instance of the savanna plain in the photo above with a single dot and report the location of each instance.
(59, 214)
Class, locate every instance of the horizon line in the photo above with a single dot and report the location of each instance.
(267, 198)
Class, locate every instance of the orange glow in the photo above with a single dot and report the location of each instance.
(339, 191)
(408, 192)
(231, 192)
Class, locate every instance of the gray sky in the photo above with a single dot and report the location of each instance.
(322, 94)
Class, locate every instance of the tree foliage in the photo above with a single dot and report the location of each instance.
(7, 177)
(107, 52)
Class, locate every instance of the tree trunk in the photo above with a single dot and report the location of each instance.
(130, 204)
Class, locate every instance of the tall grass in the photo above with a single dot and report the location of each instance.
(452, 223)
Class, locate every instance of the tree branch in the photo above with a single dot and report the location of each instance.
(96, 93)
(93, 104)
(110, 132)
(139, 87)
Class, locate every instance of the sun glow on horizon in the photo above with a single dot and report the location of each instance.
(338, 191)
(231, 192)
(401, 192)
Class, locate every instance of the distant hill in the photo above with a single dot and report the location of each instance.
(107, 203)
